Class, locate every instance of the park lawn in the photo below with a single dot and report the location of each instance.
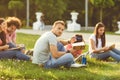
(95, 70)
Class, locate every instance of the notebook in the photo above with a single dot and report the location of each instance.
(16, 48)
(78, 46)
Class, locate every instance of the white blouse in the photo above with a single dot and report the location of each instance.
(94, 39)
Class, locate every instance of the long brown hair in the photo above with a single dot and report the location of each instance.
(2, 34)
(103, 39)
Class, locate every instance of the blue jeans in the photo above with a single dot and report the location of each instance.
(13, 54)
(11, 45)
(65, 60)
(60, 46)
(114, 53)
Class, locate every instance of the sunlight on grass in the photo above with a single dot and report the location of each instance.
(25, 70)
(49, 73)
(28, 40)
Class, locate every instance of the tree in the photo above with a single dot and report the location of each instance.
(112, 15)
(78, 6)
(52, 9)
(15, 5)
(4, 8)
(101, 4)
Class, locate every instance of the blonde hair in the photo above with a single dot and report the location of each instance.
(58, 22)
(13, 21)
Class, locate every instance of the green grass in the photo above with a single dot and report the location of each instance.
(28, 40)
(95, 70)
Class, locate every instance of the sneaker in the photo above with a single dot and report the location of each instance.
(76, 65)
(29, 52)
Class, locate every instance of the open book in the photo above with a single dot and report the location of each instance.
(111, 46)
(16, 48)
(78, 46)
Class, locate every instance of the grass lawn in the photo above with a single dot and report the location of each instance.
(24, 70)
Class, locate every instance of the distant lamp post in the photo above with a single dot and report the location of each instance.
(86, 14)
(27, 13)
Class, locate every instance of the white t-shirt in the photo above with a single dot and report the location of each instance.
(42, 47)
(94, 39)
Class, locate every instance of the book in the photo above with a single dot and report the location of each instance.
(16, 48)
(111, 46)
(78, 46)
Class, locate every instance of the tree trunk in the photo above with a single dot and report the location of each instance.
(94, 18)
(101, 11)
(15, 13)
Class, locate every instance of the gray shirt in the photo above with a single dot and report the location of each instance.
(41, 52)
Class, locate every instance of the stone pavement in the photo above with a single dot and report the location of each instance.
(66, 35)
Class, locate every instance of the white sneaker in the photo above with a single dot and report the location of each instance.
(76, 65)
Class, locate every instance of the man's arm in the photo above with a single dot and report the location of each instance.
(55, 52)
(5, 47)
(65, 42)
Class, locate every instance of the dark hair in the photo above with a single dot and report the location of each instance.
(2, 34)
(3, 37)
(79, 38)
(97, 26)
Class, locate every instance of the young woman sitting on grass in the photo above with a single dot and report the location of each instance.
(97, 45)
(75, 39)
(4, 52)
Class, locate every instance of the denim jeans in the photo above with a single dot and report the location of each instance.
(13, 54)
(60, 46)
(65, 60)
(114, 53)
(12, 45)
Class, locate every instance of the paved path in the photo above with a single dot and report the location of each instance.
(66, 35)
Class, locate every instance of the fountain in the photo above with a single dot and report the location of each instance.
(38, 25)
(118, 32)
(73, 26)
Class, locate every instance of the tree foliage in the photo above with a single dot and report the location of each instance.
(106, 11)
(15, 5)
(100, 4)
(52, 10)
